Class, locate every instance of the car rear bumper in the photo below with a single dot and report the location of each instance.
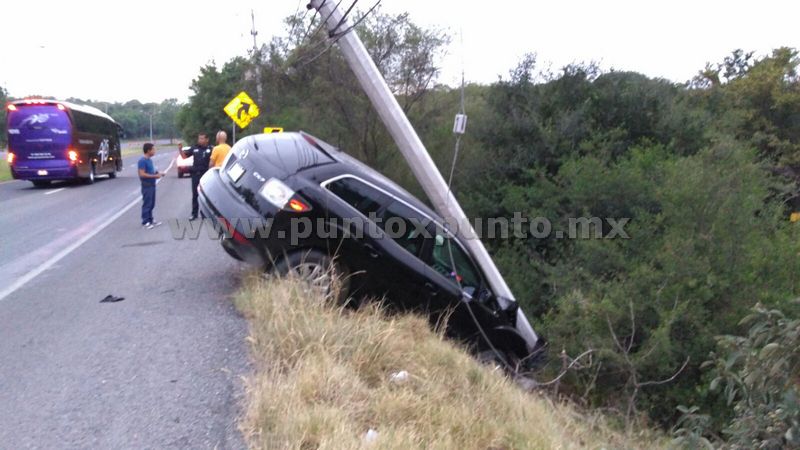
(31, 172)
(220, 204)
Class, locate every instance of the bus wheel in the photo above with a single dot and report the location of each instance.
(90, 180)
(41, 183)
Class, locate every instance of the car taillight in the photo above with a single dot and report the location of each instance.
(282, 196)
(229, 228)
(61, 107)
(73, 155)
(10, 157)
(12, 107)
(277, 193)
(298, 206)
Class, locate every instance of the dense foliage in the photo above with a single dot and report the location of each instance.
(3, 100)
(703, 174)
(135, 116)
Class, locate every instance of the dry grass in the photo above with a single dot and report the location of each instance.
(323, 380)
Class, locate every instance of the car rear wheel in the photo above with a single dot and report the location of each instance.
(318, 272)
(113, 173)
(90, 179)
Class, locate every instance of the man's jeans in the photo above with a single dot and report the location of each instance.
(148, 203)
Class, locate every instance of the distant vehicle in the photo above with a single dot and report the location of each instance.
(286, 176)
(51, 140)
(184, 163)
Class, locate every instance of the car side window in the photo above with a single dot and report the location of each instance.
(395, 222)
(449, 259)
(360, 196)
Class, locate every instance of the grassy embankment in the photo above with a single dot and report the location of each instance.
(323, 380)
(5, 172)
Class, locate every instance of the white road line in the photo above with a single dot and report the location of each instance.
(21, 281)
(54, 191)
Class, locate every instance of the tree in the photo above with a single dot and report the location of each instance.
(3, 100)
(212, 89)
(311, 87)
(757, 376)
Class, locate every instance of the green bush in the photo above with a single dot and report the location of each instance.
(757, 375)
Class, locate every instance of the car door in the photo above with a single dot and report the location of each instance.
(459, 291)
(351, 204)
(401, 244)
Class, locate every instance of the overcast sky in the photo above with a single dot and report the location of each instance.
(151, 50)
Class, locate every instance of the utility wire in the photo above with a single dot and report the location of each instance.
(324, 21)
(335, 35)
(468, 305)
(296, 21)
(310, 24)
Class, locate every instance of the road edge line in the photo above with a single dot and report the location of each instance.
(23, 280)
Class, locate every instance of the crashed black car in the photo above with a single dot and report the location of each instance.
(293, 203)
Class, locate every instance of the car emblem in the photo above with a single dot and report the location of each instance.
(244, 153)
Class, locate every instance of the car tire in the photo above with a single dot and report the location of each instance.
(180, 174)
(328, 276)
(113, 173)
(40, 183)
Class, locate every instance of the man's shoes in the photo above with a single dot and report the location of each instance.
(193, 217)
(149, 225)
(155, 224)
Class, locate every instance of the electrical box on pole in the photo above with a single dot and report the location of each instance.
(460, 125)
(421, 163)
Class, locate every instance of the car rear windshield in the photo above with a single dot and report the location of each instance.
(288, 154)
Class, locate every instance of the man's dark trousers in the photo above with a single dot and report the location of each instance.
(148, 203)
(195, 182)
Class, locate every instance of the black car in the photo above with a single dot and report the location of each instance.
(292, 202)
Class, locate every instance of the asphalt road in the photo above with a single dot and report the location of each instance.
(160, 369)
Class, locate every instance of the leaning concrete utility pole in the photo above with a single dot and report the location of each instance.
(416, 155)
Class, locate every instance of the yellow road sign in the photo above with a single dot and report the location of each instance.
(242, 109)
(273, 129)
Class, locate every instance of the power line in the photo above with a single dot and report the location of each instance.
(462, 110)
(335, 36)
(294, 16)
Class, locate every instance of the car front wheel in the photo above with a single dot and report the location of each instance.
(319, 272)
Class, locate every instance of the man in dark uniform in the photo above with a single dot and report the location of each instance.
(201, 152)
